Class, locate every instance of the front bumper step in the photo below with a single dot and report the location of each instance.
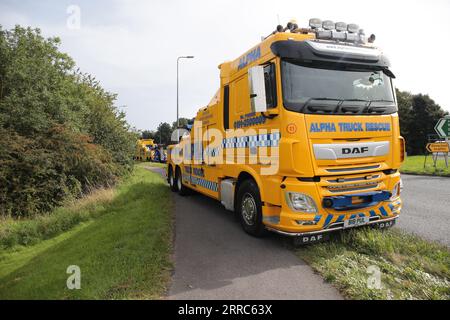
(320, 235)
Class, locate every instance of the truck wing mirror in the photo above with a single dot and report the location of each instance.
(257, 88)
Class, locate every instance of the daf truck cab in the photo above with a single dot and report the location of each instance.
(303, 136)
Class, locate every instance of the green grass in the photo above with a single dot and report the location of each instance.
(411, 268)
(152, 164)
(414, 164)
(123, 251)
(30, 231)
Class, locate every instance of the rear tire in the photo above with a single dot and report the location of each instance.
(182, 189)
(171, 179)
(249, 208)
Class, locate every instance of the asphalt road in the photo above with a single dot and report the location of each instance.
(426, 207)
(215, 259)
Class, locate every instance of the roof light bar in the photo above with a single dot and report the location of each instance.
(324, 34)
(341, 26)
(362, 36)
(315, 23)
(328, 30)
(328, 25)
(352, 28)
(352, 37)
(336, 35)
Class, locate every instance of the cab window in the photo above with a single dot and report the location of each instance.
(271, 85)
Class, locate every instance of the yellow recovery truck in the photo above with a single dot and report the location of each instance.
(143, 150)
(302, 137)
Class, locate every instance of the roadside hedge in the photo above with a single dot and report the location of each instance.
(60, 132)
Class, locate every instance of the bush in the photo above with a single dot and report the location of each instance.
(60, 133)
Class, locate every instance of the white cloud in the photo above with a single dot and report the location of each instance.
(132, 46)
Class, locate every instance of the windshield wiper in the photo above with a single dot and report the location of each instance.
(379, 109)
(333, 99)
(362, 100)
(319, 99)
(381, 100)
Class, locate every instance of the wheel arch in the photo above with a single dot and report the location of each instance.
(246, 175)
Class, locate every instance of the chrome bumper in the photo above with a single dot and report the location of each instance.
(329, 229)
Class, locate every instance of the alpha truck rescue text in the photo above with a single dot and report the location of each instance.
(302, 137)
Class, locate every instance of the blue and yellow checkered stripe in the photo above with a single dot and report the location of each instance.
(210, 185)
(384, 211)
(259, 140)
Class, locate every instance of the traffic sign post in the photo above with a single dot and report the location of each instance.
(442, 128)
(438, 147)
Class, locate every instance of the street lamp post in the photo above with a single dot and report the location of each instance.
(178, 60)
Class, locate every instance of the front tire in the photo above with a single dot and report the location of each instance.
(249, 208)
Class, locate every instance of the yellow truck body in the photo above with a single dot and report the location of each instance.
(144, 149)
(330, 126)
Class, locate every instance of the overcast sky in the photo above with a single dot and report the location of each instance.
(132, 46)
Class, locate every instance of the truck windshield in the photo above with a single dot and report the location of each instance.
(305, 85)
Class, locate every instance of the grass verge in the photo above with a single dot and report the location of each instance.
(152, 164)
(414, 165)
(410, 267)
(25, 232)
(123, 251)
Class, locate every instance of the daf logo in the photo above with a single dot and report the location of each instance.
(355, 150)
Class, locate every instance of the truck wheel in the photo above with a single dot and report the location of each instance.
(171, 178)
(182, 190)
(249, 208)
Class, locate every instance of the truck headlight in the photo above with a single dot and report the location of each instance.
(301, 202)
(396, 191)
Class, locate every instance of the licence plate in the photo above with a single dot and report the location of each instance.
(356, 222)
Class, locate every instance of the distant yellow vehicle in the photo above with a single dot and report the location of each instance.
(144, 149)
(302, 137)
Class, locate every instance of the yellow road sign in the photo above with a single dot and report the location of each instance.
(438, 147)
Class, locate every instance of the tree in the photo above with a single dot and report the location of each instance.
(148, 134)
(183, 122)
(418, 114)
(404, 100)
(163, 133)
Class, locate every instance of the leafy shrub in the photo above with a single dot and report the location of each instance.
(60, 133)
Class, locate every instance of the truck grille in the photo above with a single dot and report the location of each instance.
(354, 168)
(352, 183)
(353, 187)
